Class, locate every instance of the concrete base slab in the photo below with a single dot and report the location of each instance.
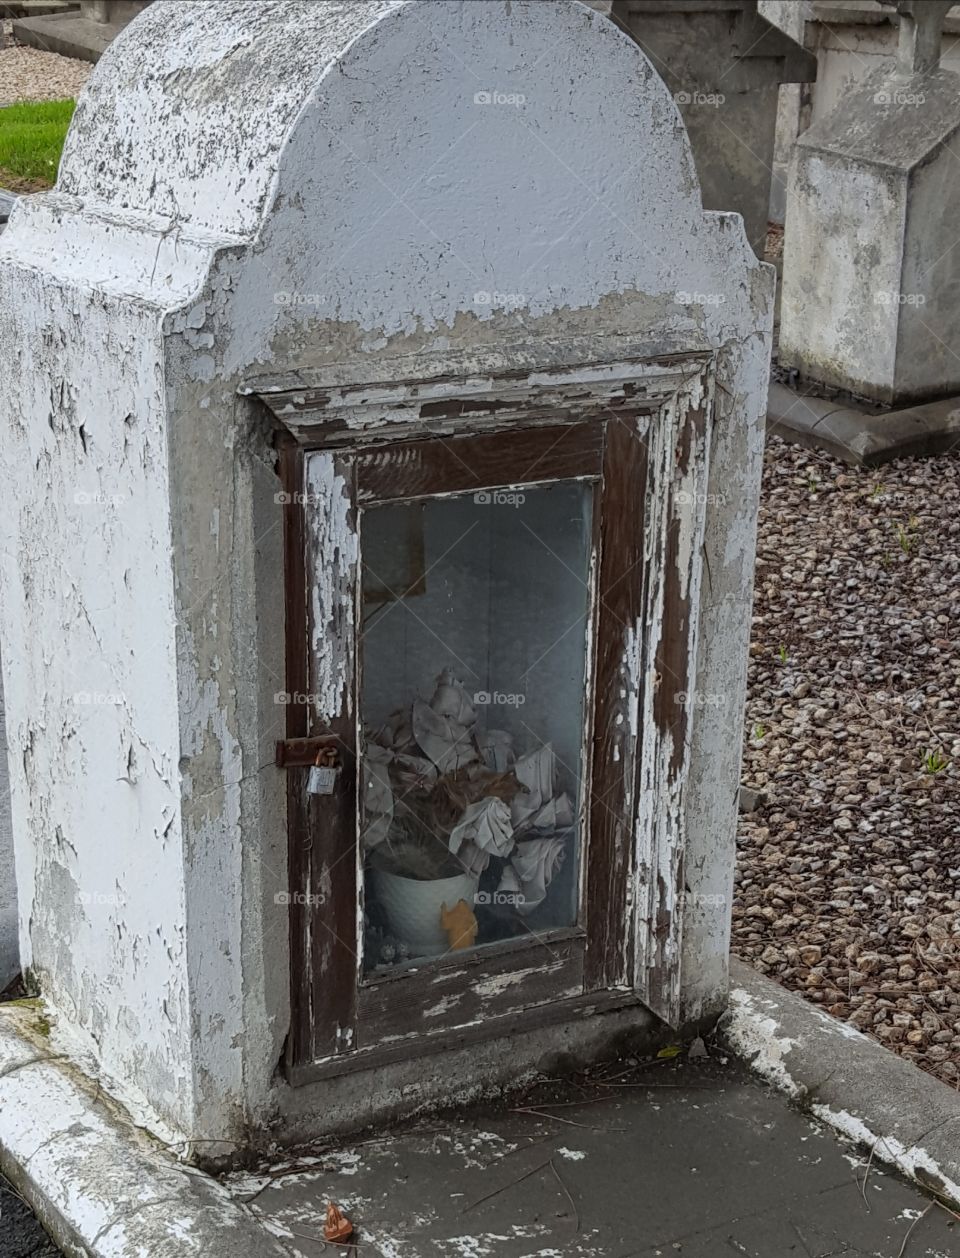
(858, 437)
(376, 1096)
(68, 33)
(99, 1185)
(905, 1117)
(686, 1158)
(639, 1158)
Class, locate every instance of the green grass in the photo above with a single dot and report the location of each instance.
(31, 140)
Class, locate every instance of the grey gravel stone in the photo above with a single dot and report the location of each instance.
(33, 74)
(848, 886)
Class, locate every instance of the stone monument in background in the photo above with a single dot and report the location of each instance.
(83, 34)
(870, 271)
(724, 64)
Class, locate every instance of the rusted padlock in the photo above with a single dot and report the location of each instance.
(323, 773)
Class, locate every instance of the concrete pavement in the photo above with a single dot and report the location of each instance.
(680, 1155)
(695, 1159)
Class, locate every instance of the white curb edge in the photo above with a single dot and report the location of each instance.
(903, 1116)
(98, 1184)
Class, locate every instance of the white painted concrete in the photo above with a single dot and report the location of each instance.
(9, 934)
(253, 188)
(100, 1187)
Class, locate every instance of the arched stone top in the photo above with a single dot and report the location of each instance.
(189, 113)
(386, 169)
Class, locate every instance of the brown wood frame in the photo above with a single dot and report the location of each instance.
(633, 450)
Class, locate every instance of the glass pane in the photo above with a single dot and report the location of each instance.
(473, 663)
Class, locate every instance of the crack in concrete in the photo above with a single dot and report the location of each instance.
(34, 1061)
(128, 1213)
(57, 1135)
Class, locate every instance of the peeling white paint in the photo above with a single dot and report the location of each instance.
(632, 656)
(223, 156)
(754, 1037)
(912, 1161)
(498, 983)
(344, 1161)
(478, 1149)
(442, 1006)
(335, 550)
(752, 1029)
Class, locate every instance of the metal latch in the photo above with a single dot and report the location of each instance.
(301, 753)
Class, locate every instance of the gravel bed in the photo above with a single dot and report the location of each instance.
(31, 74)
(848, 877)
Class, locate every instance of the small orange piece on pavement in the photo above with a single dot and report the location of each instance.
(337, 1227)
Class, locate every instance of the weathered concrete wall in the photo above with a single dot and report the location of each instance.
(827, 254)
(297, 187)
(9, 935)
(928, 328)
(739, 136)
(791, 17)
(725, 65)
(88, 631)
(81, 31)
(114, 12)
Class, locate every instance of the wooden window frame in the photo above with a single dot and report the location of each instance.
(644, 442)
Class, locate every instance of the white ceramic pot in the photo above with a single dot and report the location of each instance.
(413, 907)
